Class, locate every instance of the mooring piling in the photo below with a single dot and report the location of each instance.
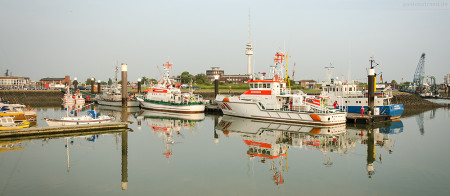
(75, 84)
(139, 86)
(124, 85)
(92, 85)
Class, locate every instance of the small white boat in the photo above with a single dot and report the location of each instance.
(91, 118)
(113, 96)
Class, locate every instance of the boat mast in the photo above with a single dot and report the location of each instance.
(115, 77)
(287, 70)
(167, 68)
(329, 68)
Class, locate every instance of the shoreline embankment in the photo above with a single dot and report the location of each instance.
(34, 98)
(413, 104)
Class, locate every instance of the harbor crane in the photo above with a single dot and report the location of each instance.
(424, 89)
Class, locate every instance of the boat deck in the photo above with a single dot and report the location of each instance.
(366, 119)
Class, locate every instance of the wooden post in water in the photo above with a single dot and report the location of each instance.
(99, 86)
(75, 84)
(139, 86)
(216, 85)
(92, 85)
(124, 85)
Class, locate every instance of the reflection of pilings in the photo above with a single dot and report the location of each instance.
(124, 161)
(124, 151)
(370, 152)
(216, 136)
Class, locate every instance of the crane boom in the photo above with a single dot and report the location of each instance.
(420, 71)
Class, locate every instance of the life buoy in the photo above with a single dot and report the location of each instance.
(192, 99)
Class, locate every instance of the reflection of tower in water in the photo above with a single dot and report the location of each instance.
(370, 153)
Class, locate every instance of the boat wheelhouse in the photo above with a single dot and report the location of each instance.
(346, 97)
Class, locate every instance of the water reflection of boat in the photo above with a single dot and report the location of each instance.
(169, 125)
(119, 109)
(176, 116)
(269, 141)
(378, 136)
(6, 146)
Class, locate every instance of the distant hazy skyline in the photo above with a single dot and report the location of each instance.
(84, 38)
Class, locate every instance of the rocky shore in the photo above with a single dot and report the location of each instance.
(413, 104)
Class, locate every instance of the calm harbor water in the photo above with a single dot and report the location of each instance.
(167, 154)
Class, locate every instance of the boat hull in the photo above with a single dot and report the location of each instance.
(394, 110)
(253, 111)
(118, 103)
(57, 122)
(172, 108)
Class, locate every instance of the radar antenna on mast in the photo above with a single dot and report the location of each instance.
(329, 69)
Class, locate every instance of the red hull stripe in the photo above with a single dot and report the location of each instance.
(253, 81)
(253, 143)
(258, 92)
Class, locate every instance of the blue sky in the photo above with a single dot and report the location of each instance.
(84, 38)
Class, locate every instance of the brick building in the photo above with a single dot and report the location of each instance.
(54, 81)
(309, 84)
(226, 78)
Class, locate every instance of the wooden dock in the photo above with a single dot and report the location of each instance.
(62, 131)
(366, 119)
(213, 108)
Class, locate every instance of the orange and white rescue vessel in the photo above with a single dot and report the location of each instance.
(271, 100)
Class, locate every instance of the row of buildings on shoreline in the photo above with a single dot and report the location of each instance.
(19, 82)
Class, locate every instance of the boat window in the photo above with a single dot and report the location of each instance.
(268, 85)
(345, 89)
(350, 89)
(260, 85)
(264, 85)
